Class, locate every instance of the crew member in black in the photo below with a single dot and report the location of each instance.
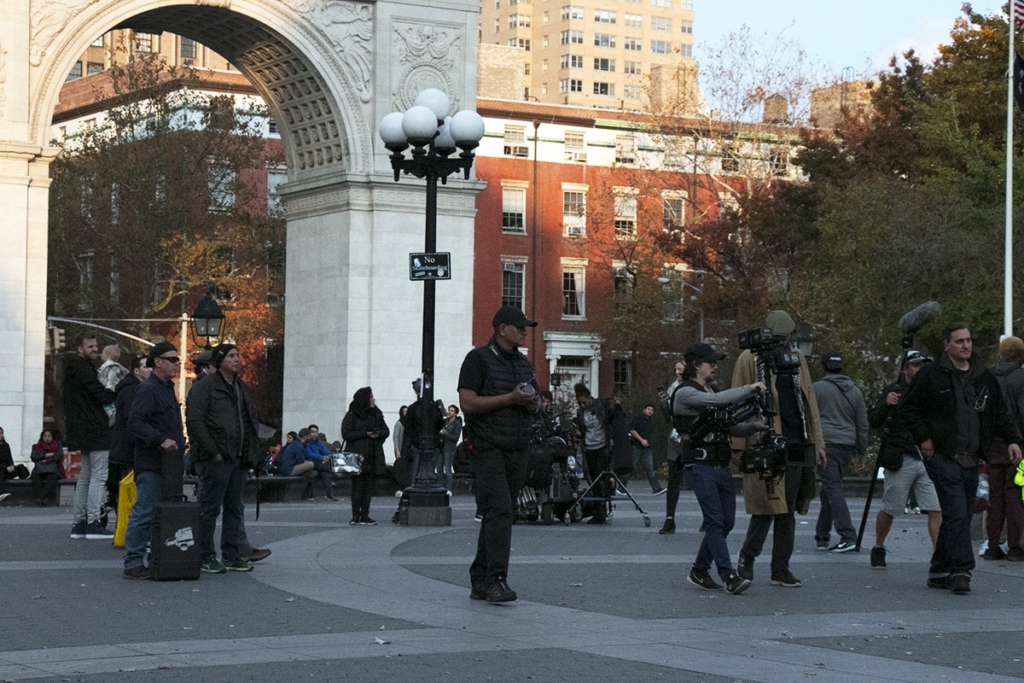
(498, 393)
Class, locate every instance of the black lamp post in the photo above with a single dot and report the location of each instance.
(207, 319)
(433, 137)
(804, 338)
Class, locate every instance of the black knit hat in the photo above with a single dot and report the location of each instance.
(160, 349)
(219, 353)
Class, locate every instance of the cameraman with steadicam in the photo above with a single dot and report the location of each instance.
(708, 460)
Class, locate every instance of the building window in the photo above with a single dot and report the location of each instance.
(625, 212)
(515, 141)
(686, 5)
(675, 153)
(604, 89)
(75, 73)
(572, 12)
(276, 176)
(686, 50)
(143, 42)
(574, 273)
(661, 3)
(634, 20)
(661, 47)
(519, 20)
(526, 69)
(604, 40)
(571, 62)
(513, 209)
(188, 48)
(625, 149)
(93, 68)
(115, 280)
(622, 376)
(687, 27)
(632, 44)
(631, 92)
(602, 64)
(730, 160)
(574, 212)
(544, 66)
(520, 42)
(661, 23)
(221, 186)
(603, 16)
(572, 37)
(574, 141)
(673, 210)
(97, 43)
(85, 197)
(570, 85)
(84, 262)
(272, 126)
(631, 68)
(513, 284)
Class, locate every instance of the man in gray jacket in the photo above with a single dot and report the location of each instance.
(844, 424)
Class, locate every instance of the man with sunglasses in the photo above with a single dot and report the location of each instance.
(953, 409)
(498, 393)
(155, 422)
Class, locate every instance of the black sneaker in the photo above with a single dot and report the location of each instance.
(366, 521)
(736, 584)
(703, 580)
(940, 582)
(97, 532)
(821, 545)
(786, 579)
(78, 530)
(354, 521)
(669, 527)
(745, 567)
(478, 592)
(238, 564)
(878, 557)
(397, 517)
(844, 547)
(960, 584)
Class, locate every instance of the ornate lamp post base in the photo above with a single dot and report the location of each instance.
(424, 508)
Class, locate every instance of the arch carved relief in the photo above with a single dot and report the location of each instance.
(428, 54)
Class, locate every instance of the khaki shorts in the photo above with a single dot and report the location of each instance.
(899, 482)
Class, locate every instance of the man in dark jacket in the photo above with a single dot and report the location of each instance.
(498, 393)
(844, 424)
(87, 409)
(594, 421)
(953, 409)
(122, 444)
(222, 422)
(155, 423)
(1004, 495)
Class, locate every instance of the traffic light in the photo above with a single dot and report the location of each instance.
(57, 343)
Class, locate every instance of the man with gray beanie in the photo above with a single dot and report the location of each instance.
(222, 428)
(844, 425)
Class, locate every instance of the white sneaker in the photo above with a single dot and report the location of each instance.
(5, 496)
(398, 493)
(447, 491)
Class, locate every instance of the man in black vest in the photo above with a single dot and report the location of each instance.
(498, 393)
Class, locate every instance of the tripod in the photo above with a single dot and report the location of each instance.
(600, 491)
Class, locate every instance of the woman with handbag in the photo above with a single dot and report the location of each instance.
(364, 431)
(46, 474)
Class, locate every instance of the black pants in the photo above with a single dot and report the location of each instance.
(596, 462)
(221, 485)
(500, 474)
(44, 484)
(362, 491)
(785, 528)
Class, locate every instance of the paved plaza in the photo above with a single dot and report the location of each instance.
(597, 604)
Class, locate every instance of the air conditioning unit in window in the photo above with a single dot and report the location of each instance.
(511, 267)
(574, 230)
(517, 150)
(581, 157)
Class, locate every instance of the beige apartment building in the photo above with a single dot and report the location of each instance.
(591, 53)
(115, 47)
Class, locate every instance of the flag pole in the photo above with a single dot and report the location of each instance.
(1008, 256)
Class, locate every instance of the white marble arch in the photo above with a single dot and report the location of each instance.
(329, 71)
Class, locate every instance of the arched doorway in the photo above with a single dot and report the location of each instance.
(328, 70)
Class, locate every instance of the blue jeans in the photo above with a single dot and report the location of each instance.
(445, 466)
(140, 524)
(714, 490)
(956, 487)
(220, 484)
(834, 509)
(644, 456)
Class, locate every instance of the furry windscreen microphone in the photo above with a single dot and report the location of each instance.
(914, 320)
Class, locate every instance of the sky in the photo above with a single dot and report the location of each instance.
(862, 34)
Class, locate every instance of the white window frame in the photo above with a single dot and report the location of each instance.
(625, 200)
(517, 265)
(576, 267)
(509, 190)
(574, 224)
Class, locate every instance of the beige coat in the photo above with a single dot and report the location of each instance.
(769, 497)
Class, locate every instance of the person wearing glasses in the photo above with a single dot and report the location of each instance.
(155, 424)
(222, 429)
(122, 447)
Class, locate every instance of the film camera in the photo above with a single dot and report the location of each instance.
(766, 458)
(757, 340)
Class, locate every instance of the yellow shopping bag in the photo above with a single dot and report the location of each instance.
(125, 501)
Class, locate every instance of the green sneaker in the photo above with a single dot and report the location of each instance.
(237, 565)
(213, 567)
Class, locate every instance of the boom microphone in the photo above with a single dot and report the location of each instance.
(914, 320)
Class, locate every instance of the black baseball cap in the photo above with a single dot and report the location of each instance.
(833, 361)
(702, 353)
(510, 315)
(160, 349)
(915, 357)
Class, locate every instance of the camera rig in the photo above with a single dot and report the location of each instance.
(768, 457)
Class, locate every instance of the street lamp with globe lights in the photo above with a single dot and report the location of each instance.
(434, 137)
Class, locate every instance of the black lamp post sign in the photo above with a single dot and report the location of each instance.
(436, 266)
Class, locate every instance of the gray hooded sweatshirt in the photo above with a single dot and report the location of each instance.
(844, 414)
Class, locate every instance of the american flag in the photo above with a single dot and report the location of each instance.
(1018, 12)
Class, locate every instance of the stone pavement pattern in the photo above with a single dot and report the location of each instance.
(389, 603)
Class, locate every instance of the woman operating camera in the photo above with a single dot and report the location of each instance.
(708, 459)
